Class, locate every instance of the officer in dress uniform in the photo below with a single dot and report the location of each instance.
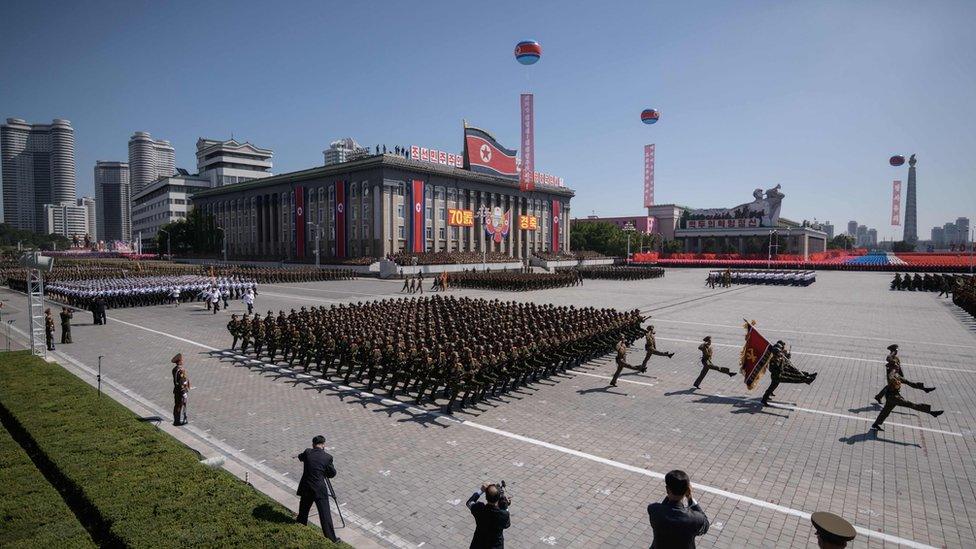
(706, 361)
(181, 388)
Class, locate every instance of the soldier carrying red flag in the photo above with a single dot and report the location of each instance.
(758, 356)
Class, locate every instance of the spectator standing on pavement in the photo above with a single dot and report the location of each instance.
(313, 487)
(181, 389)
(49, 329)
(676, 525)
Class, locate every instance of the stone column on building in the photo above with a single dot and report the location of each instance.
(567, 243)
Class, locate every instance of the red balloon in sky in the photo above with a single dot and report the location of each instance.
(896, 160)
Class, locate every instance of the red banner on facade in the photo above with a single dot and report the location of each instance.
(754, 358)
(555, 226)
(527, 168)
(300, 222)
(340, 218)
(896, 203)
(418, 224)
(648, 175)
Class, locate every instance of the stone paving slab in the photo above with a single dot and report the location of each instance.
(583, 461)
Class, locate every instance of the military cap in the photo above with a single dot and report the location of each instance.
(781, 343)
(707, 338)
(832, 528)
(177, 359)
(893, 347)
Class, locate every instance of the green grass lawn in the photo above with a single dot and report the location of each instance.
(139, 485)
(32, 513)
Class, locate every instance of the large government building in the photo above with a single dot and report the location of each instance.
(384, 204)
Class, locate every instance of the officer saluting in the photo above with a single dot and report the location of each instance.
(833, 532)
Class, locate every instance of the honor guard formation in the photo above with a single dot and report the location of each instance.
(513, 281)
(457, 350)
(728, 277)
(619, 272)
(146, 291)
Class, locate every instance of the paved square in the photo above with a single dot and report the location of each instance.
(582, 459)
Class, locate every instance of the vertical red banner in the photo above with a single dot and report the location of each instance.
(896, 203)
(555, 226)
(340, 218)
(648, 175)
(418, 235)
(300, 222)
(527, 173)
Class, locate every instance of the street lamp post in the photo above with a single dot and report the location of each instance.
(769, 250)
(169, 249)
(484, 212)
(629, 229)
(318, 233)
(223, 240)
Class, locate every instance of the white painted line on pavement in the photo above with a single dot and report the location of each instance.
(787, 331)
(646, 472)
(291, 296)
(783, 406)
(335, 291)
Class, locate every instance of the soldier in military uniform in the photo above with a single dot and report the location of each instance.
(49, 329)
(782, 371)
(706, 361)
(833, 532)
(233, 326)
(621, 360)
(181, 388)
(893, 362)
(650, 347)
(66, 316)
(893, 398)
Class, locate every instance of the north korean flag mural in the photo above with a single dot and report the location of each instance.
(300, 222)
(418, 222)
(485, 155)
(555, 226)
(755, 355)
(339, 218)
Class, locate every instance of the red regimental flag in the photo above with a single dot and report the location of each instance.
(754, 358)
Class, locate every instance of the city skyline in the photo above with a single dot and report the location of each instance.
(733, 118)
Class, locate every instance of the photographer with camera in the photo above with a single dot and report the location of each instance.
(491, 519)
(314, 485)
(674, 524)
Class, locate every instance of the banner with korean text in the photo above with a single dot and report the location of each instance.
(648, 175)
(896, 203)
(527, 167)
(418, 237)
(340, 219)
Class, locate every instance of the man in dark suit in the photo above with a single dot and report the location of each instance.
(490, 519)
(674, 524)
(313, 488)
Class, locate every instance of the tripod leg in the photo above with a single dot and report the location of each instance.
(336, 500)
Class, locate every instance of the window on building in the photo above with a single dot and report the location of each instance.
(352, 214)
(353, 187)
(400, 211)
(441, 233)
(430, 233)
(452, 194)
(401, 231)
(442, 213)
(352, 232)
(440, 193)
(455, 233)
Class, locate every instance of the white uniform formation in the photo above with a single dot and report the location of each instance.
(772, 277)
(145, 291)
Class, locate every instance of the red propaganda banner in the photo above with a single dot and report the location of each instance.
(651, 224)
(418, 238)
(340, 218)
(300, 222)
(555, 226)
(755, 355)
(527, 168)
(648, 175)
(485, 155)
(896, 203)
(436, 156)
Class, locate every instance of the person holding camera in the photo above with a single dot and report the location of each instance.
(491, 519)
(676, 525)
(313, 486)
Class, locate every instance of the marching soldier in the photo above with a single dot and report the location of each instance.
(245, 330)
(782, 371)
(234, 328)
(650, 347)
(893, 363)
(621, 360)
(181, 388)
(66, 316)
(893, 398)
(706, 361)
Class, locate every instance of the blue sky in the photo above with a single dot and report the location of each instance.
(813, 95)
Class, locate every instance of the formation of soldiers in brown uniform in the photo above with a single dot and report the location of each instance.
(513, 281)
(459, 350)
(609, 272)
(964, 295)
(943, 283)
